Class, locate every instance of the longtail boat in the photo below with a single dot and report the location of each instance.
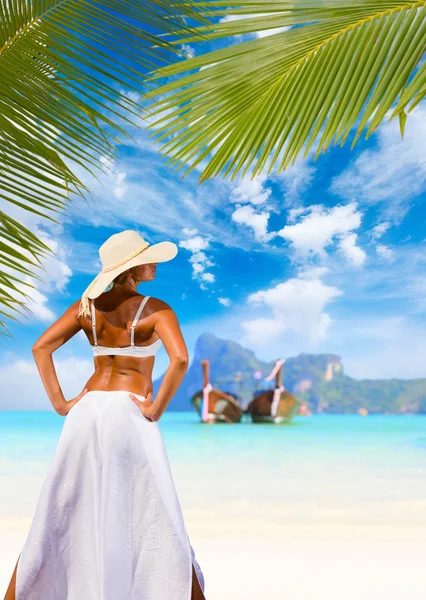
(213, 405)
(273, 405)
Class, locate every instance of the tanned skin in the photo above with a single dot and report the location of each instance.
(116, 310)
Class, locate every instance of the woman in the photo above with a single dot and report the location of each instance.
(108, 524)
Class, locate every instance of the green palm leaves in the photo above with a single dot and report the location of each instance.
(64, 64)
(332, 71)
(333, 74)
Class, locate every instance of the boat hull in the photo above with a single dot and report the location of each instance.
(260, 408)
(270, 419)
(221, 410)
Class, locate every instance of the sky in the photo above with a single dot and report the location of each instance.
(328, 256)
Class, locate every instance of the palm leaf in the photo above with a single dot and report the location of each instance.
(257, 104)
(64, 65)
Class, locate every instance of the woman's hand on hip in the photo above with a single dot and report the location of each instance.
(65, 409)
(145, 406)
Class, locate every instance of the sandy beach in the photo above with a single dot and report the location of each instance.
(265, 568)
(332, 508)
(293, 570)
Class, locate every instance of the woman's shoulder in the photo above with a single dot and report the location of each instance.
(158, 304)
(128, 305)
(161, 310)
(131, 304)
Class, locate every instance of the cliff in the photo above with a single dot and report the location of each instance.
(317, 379)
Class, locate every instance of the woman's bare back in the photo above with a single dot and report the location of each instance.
(114, 317)
(117, 309)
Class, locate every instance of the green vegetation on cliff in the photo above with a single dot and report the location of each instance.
(317, 379)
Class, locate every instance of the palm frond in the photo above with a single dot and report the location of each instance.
(20, 254)
(64, 67)
(336, 71)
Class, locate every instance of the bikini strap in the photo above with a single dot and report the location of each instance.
(136, 319)
(95, 339)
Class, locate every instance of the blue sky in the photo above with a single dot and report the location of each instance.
(328, 256)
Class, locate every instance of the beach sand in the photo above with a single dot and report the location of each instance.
(274, 570)
(251, 569)
(331, 510)
(307, 563)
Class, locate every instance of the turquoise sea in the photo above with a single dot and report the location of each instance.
(334, 474)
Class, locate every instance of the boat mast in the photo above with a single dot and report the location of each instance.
(207, 387)
(279, 376)
(279, 388)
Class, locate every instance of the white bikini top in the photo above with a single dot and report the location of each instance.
(132, 350)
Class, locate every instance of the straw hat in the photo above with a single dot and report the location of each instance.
(120, 252)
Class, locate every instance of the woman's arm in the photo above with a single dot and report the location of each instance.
(53, 338)
(167, 327)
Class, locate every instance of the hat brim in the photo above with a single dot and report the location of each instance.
(156, 253)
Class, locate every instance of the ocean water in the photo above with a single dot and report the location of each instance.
(327, 475)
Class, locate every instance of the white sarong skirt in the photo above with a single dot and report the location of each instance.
(108, 524)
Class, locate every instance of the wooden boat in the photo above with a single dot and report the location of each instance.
(274, 405)
(213, 405)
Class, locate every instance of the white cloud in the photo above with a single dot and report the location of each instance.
(262, 332)
(321, 227)
(107, 164)
(353, 253)
(131, 95)
(268, 32)
(198, 268)
(200, 261)
(313, 272)
(208, 66)
(225, 301)
(189, 50)
(161, 202)
(297, 306)
(394, 172)
(295, 181)
(379, 230)
(120, 187)
(194, 244)
(55, 278)
(117, 179)
(258, 34)
(56, 272)
(201, 257)
(21, 380)
(381, 347)
(246, 215)
(189, 231)
(385, 252)
(230, 18)
(251, 190)
(293, 213)
(249, 193)
(152, 118)
(37, 303)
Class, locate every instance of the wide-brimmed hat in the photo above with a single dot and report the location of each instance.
(120, 252)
